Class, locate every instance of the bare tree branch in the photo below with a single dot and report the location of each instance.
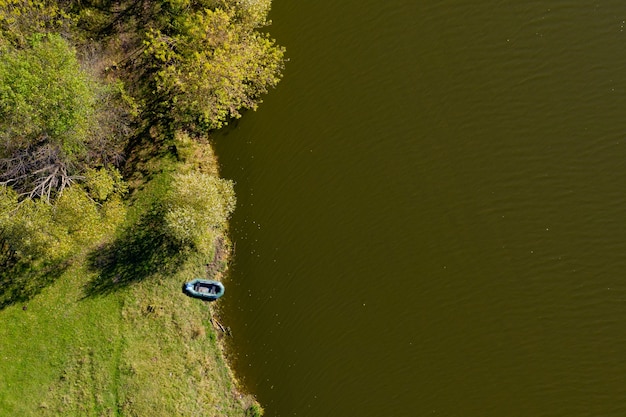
(37, 172)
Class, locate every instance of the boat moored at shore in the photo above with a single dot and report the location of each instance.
(204, 289)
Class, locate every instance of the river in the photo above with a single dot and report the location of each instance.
(432, 212)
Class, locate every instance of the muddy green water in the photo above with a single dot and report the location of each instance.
(432, 212)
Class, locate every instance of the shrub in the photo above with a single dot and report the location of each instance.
(255, 410)
(197, 209)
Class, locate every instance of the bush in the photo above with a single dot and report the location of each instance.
(197, 210)
(37, 238)
(28, 231)
(254, 410)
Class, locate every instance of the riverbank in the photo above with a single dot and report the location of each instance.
(111, 198)
(98, 344)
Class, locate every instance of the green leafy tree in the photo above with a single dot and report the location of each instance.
(102, 184)
(44, 96)
(36, 233)
(32, 246)
(46, 111)
(37, 238)
(51, 124)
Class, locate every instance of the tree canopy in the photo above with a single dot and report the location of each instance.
(93, 88)
(209, 64)
(44, 95)
(49, 117)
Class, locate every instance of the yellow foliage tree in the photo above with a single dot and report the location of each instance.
(210, 64)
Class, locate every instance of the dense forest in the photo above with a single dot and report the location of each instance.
(98, 99)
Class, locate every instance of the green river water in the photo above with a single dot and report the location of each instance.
(432, 212)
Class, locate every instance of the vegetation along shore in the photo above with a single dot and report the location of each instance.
(110, 199)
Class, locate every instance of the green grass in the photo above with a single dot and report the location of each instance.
(60, 353)
(145, 350)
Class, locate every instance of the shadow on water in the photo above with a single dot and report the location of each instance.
(141, 251)
(19, 282)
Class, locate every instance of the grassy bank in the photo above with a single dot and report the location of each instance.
(144, 350)
(120, 338)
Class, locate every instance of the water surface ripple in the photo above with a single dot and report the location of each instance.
(432, 212)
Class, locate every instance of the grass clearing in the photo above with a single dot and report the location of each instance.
(145, 350)
(58, 352)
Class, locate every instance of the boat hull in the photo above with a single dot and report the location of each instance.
(204, 289)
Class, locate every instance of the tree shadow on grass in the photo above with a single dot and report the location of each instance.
(142, 251)
(20, 282)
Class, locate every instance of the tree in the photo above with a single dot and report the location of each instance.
(44, 96)
(46, 109)
(20, 19)
(33, 232)
(50, 122)
(37, 238)
(209, 64)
